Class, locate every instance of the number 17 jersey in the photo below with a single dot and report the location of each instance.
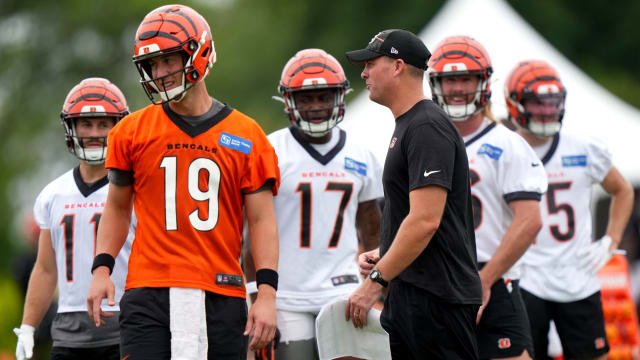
(316, 211)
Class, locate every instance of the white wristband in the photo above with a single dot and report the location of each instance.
(252, 287)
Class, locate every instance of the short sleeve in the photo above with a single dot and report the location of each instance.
(372, 188)
(522, 173)
(431, 154)
(119, 148)
(41, 210)
(599, 160)
(262, 166)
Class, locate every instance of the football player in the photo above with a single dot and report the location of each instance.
(326, 201)
(190, 165)
(507, 181)
(559, 274)
(68, 212)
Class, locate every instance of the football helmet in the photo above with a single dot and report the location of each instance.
(170, 29)
(92, 97)
(460, 55)
(537, 82)
(313, 69)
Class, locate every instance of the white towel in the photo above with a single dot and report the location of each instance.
(188, 324)
(337, 337)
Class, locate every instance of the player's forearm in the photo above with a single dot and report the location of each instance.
(519, 236)
(264, 244)
(619, 212)
(42, 285)
(115, 220)
(368, 224)
(412, 238)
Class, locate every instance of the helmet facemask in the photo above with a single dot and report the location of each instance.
(460, 112)
(94, 155)
(315, 122)
(541, 115)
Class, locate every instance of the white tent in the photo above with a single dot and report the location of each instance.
(591, 110)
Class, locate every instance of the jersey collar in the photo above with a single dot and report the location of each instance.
(84, 188)
(322, 159)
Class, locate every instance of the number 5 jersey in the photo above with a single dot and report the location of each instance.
(316, 210)
(573, 166)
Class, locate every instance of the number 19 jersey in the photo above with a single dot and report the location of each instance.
(189, 186)
(316, 211)
(71, 210)
(573, 166)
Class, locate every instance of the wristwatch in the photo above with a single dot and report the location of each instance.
(375, 275)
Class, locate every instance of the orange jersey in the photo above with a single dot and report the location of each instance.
(188, 195)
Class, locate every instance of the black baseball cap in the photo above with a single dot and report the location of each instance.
(395, 43)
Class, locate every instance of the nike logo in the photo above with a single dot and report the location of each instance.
(534, 164)
(426, 174)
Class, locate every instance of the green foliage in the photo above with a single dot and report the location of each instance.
(11, 305)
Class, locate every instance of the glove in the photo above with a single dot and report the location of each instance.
(268, 352)
(591, 258)
(24, 349)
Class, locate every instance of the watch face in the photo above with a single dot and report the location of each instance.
(375, 274)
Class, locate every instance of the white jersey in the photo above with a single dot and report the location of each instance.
(551, 268)
(316, 210)
(502, 168)
(71, 211)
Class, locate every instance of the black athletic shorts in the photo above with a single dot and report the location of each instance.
(144, 325)
(109, 352)
(504, 329)
(422, 327)
(580, 325)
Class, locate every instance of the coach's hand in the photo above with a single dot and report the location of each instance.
(101, 287)
(361, 301)
(367, 260)
(261, 324)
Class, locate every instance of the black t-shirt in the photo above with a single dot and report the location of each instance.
(426, 149)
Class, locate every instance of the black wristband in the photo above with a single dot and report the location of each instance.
(103, 259)
(267, 276)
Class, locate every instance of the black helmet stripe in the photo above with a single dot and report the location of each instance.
(307, 65)
(150, 34)
(458, 52)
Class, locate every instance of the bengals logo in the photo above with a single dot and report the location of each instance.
(504, 343)
(393, 142)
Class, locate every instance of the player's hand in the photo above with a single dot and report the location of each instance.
(101, 287)
(268, 352)
(24, 349)
(486, 296)
(361, 301)
(367, 260)
(261, 323)
(591, 258)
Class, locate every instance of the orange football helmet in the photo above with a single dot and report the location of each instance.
(535, 97)
(313, 69)
(92, 97)
(169, 29)
(460, 55)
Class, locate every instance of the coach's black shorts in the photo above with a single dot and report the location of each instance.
(422, 327)
(580, 325)
(504, 329)
(144, 325)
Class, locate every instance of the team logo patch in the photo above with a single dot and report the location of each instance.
(357, 166)
(235, 143)
(575, 160)
(393, 142)
(228, 279)
(600, 343)
(504, 343)
(491, 151)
